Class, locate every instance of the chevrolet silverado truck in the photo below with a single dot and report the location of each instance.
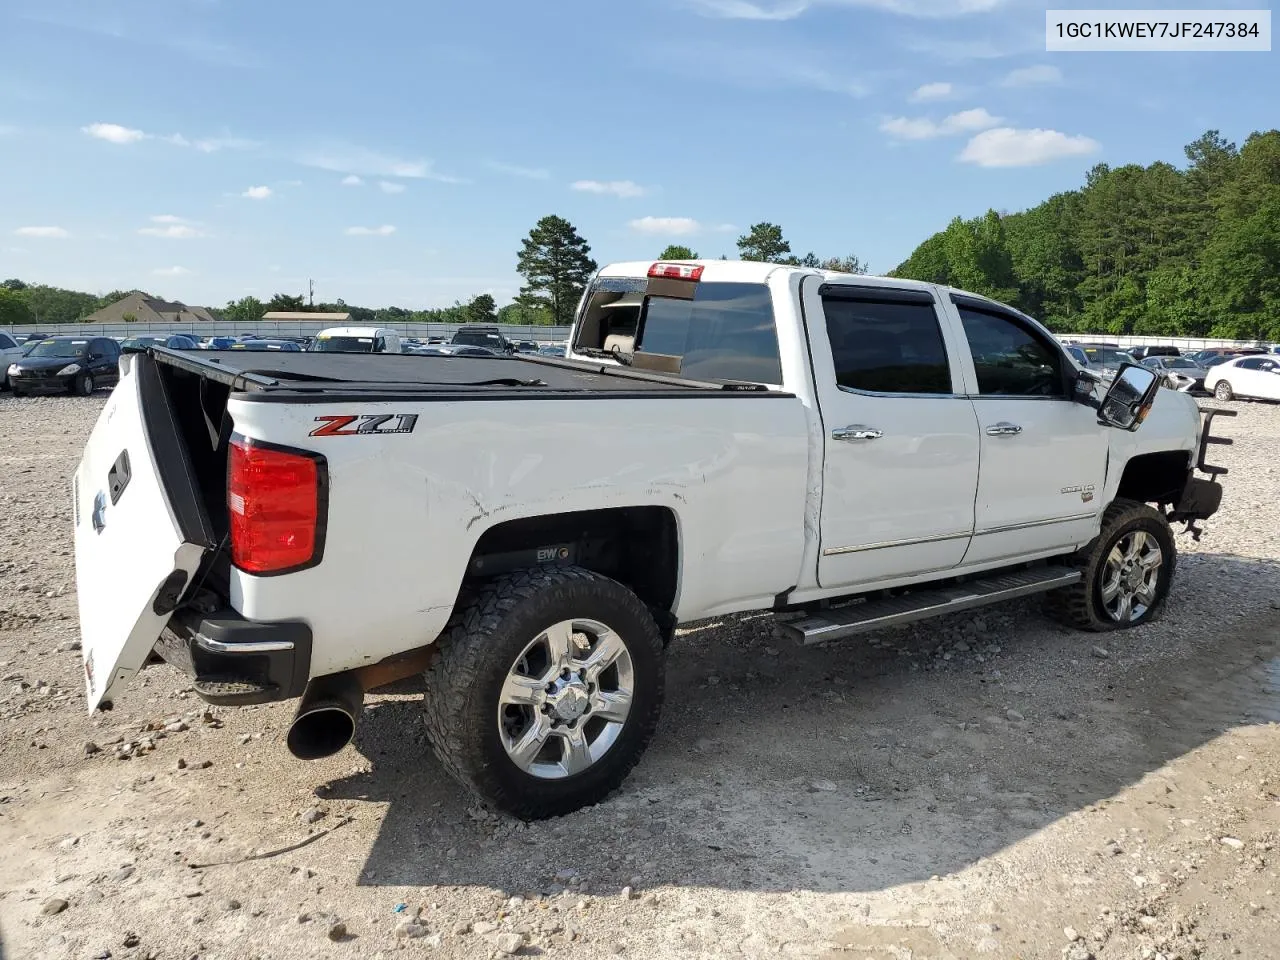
(848, 452)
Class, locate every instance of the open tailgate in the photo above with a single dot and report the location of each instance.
(141, 529)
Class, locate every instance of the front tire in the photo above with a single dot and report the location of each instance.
(1222, 391)
(83, 384)
(1125, 575)
(546, 690)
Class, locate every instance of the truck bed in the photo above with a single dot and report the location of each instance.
(296, 377)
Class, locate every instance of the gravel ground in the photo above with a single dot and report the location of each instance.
(987, 786)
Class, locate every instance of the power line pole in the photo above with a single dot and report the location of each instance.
(311, 296)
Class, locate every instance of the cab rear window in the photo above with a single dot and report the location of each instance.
(726, 332)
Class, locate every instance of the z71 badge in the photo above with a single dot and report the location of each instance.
(369, 423)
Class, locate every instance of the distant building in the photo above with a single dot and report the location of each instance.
(329, 319)
(140, 308)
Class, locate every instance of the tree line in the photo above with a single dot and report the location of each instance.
(1135, 250)
(1151, 250)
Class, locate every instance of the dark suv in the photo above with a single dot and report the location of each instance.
(491, 338)
(75, 364)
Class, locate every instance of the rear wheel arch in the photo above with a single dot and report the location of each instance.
(638, 546)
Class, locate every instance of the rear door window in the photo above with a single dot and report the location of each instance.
(726, 332)
(886, 341)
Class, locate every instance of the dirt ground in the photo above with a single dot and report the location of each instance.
(991, 785)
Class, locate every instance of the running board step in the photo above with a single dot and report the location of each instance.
(924, 603)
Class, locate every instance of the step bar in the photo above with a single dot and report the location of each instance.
(927, 602)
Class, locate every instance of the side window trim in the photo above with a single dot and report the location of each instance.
(1022, 322)
(867, 293)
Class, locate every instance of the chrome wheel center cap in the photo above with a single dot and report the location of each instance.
(569, 700)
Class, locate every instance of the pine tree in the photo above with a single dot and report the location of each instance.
(556, 265)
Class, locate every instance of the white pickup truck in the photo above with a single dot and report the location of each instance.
(850, 452)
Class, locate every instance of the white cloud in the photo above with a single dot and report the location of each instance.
(724, 228)
(922, 128)
(1007, 147)
(170, 271)
(42, 233)
(351, 180)
(370, 163)
(257, 193)
(1029, 76)
(760, 67)
(932, 91)
(214, 144)
(114, 133)
(383, 231)
(791, 9)
(173, 231)
(666, 226)
(618, 188)
(388, 186)
(168, 218)
(511, 169)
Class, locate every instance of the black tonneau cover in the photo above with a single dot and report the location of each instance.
(299, 377)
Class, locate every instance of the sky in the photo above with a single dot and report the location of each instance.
(396, 152)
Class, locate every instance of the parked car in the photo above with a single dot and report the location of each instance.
(73, 364)
(1254, 378)
(176, 341)
(552, 350)
(450, 350)
(489, 337)
(356, 340)
(1204, 358)
(1158, 350)
(35, 337)
(10, 352)
(891, 435)
(1180, 373)
(1102, 358)
(526, 346)
(219, 343)
(261, 343)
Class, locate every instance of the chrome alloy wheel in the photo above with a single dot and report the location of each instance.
(565, 699)
(1130, 576)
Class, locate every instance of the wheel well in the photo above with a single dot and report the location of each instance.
(1155, 477)
(637, 546)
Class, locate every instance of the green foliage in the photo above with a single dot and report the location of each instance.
(244, 310)
(1146, 250)
(556, 265)
(675, 251)
(13, 308)
(849, 264)
(763, 242)
(129, 317)
(13, 285)
(482, 309)
(285, 303)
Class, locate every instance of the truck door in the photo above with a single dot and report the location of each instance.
(900, 469)
(1044, 457)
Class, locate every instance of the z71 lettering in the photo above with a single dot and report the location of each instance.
(353, 426)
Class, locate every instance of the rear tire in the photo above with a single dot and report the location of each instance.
(1222, 391)
(83, 384)
(528, 730)
(1126, 572)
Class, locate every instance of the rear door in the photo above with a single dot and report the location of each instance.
(900, 468)
(1044, 457)
(141, 530)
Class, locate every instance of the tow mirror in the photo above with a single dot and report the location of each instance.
(1129, 399)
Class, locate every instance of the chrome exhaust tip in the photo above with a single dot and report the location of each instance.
(326, 718)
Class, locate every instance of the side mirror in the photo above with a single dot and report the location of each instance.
(1129, 400)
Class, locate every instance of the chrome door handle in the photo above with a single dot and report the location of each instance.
(856, 431)
(1003, 429)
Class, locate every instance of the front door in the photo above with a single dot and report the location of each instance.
(1044, 456)
(901, 444)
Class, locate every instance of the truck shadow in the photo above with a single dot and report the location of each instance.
(877, 762)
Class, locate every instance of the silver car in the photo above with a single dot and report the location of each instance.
(1180, 373)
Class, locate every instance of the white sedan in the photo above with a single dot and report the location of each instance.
(1256, 377)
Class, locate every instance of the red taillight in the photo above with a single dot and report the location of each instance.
(273, 497)
(677, 271)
